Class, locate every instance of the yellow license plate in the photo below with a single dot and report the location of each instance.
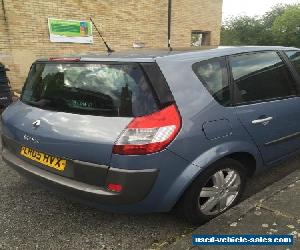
(45, 159)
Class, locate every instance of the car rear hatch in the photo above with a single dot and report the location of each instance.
(77, 109)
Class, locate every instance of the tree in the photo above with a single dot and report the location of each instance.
(279, 26)
(241, 30)
(286, 27)
(268, 20)
(270, 16)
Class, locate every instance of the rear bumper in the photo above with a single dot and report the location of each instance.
(136, 183)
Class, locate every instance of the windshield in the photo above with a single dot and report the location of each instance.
(95, 89)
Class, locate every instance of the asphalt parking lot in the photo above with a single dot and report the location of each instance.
(33, 218)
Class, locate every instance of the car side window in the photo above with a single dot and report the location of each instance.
(261, 76)
(213, 74)
(294, 56)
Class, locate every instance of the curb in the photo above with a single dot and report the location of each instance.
(233, 214)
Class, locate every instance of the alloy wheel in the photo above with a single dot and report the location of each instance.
(220, 191)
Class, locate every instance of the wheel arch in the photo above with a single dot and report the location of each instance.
(243, 152)
(246, 159)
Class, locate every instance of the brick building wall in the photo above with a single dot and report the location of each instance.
(24, 32)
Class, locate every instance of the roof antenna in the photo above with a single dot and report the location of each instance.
(109, 50)
(169, 24)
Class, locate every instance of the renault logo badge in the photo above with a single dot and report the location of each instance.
(36, 123)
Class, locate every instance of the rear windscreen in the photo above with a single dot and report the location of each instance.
(94, 89)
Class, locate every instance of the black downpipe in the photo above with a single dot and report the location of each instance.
(169, 23)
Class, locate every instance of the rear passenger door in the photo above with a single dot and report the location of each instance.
(266, 96)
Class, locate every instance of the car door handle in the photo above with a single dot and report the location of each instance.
(264, 121)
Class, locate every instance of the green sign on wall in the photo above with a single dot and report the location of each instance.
(70, 31)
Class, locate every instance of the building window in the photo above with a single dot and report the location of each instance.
(200, 38)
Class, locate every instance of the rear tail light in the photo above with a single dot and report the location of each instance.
(150, 133)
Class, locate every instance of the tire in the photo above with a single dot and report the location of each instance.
(197, 203)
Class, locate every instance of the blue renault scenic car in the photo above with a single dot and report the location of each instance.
(140, 133)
